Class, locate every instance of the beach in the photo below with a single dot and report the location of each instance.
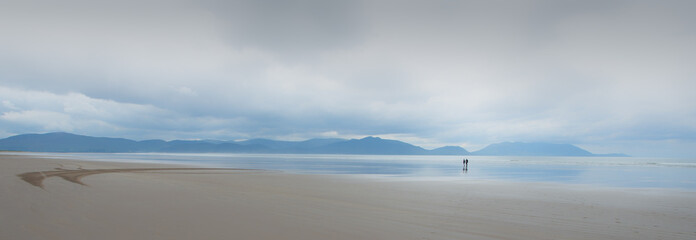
(42, 198)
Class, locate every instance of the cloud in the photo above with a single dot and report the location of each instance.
(451, 72)
(43, 120)
(36, 111)
(9, 105)
(294, 29)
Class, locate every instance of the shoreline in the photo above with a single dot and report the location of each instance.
(622, 175)
(223, 204)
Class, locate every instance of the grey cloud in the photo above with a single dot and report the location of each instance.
(293, 29)
(469, 72)
(33, 111)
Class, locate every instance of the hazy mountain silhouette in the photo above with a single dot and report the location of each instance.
(308, 146)
(67, 142)
(372, 145)
(450, 150)
(536, 149)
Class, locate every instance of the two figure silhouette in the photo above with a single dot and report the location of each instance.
(465, 162)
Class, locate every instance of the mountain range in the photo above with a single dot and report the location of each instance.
(538, 149)
(67, 142)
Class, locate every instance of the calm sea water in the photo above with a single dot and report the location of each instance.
(602, 171)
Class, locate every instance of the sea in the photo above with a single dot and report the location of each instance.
(625, 172)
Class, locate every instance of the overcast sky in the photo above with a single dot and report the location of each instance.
(609, 76)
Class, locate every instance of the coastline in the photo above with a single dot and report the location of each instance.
(243, 204)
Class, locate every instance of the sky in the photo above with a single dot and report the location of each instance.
(608, 76)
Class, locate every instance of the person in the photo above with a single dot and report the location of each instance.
(465, 162)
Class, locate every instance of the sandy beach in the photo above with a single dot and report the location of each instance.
(70, 199)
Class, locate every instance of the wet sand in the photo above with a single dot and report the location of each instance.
(69, 199)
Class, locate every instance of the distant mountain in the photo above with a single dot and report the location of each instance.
(150, 145)
(67, 142)
(536, 149)
(197, 146)
(289, 146)
(450, 150)
(372, 145)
